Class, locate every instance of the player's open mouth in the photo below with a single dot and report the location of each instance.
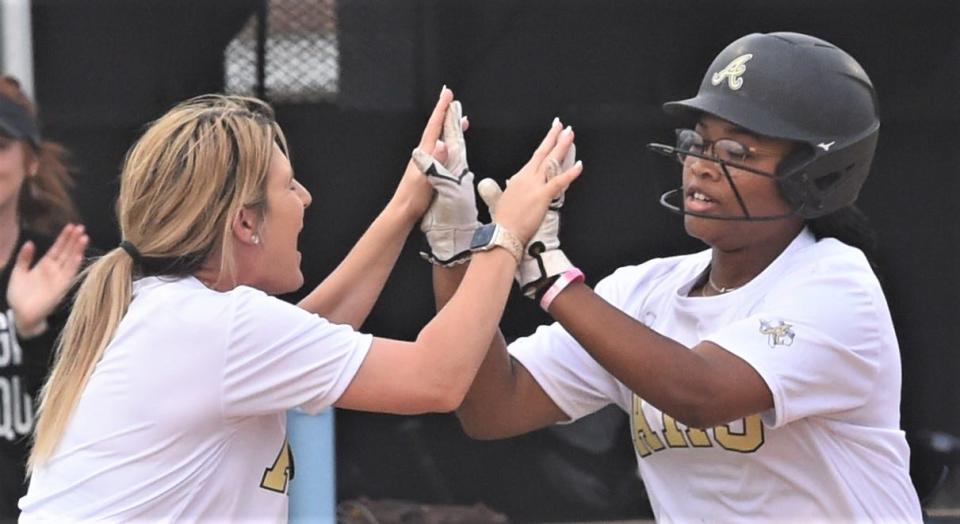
(698, 201)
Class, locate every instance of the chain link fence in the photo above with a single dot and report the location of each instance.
(287, 52)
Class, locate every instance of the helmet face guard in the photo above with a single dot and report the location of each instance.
(667, 199)
(799, 88)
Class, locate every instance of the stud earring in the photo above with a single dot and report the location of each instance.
(34, 189)
(255, 239)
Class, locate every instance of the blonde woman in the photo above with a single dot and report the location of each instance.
(176, 366)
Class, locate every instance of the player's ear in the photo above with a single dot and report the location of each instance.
(246, 225)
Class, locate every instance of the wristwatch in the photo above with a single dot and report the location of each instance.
(489, 236)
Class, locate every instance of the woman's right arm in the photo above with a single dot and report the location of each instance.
(434, 372)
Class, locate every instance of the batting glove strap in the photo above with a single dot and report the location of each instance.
(535, 269)
(448, 247)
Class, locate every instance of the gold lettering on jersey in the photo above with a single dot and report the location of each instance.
(278, 476)
(747, 441)
(733, 73)
(645, 440)
(672, 433)
(746, 438)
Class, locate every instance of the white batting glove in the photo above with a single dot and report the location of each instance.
(451, 219)
(542, 257)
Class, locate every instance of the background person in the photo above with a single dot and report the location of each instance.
(35, 205)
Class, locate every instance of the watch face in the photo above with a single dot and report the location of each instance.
(482, 236)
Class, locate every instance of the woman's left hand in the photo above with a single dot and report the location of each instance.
(34, 292)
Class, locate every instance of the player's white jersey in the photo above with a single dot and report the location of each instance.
(816, 327)
(184, 417)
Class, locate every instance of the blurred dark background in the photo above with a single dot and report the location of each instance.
(369, 72)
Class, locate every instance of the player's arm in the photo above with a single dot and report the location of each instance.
(504, 399)
(702, 387)
(348, 294)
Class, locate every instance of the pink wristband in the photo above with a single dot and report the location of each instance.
(565, 279)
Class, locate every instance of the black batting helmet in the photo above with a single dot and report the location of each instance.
(800, 88)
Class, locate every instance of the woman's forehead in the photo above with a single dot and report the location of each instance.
(280, 170)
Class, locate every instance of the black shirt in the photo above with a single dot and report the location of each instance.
(23, 368)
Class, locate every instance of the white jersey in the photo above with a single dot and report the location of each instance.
(184, 419)
(815, 325)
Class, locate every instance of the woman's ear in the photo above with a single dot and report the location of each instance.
(246, 226)
(31, 160)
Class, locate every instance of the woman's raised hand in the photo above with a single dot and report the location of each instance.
(36, 289)
(415, 192)
(529, 192)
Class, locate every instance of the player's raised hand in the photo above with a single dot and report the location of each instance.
(529, 193)
(451, 219)
(36, 289)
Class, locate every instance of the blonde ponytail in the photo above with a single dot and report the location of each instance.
(100, 303)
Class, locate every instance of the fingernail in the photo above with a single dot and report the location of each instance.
(556, 121)
(443, 89)
(578, 164)
(566, 131)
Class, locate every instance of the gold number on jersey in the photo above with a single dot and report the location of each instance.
(646, 440)
(278, 476)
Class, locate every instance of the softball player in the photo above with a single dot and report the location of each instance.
(761, 376)
(168, 397)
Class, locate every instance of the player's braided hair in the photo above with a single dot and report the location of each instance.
(850, 226)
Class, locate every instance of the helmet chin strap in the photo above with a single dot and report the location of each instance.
(677, 194)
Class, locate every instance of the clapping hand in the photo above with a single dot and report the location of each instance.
(35, 289)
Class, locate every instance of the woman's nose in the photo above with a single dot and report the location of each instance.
(305, 195)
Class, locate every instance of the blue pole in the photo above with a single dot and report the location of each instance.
(313, 489)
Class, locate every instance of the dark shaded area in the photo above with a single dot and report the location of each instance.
(106, 67)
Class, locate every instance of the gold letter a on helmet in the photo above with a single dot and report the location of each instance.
(733, 72)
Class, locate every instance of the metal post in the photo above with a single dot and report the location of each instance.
(262, 14)
(313, 488)
(17, 43)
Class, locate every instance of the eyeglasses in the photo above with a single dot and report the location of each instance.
(725, 151)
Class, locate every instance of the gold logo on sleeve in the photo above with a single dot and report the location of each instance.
(779, 333)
